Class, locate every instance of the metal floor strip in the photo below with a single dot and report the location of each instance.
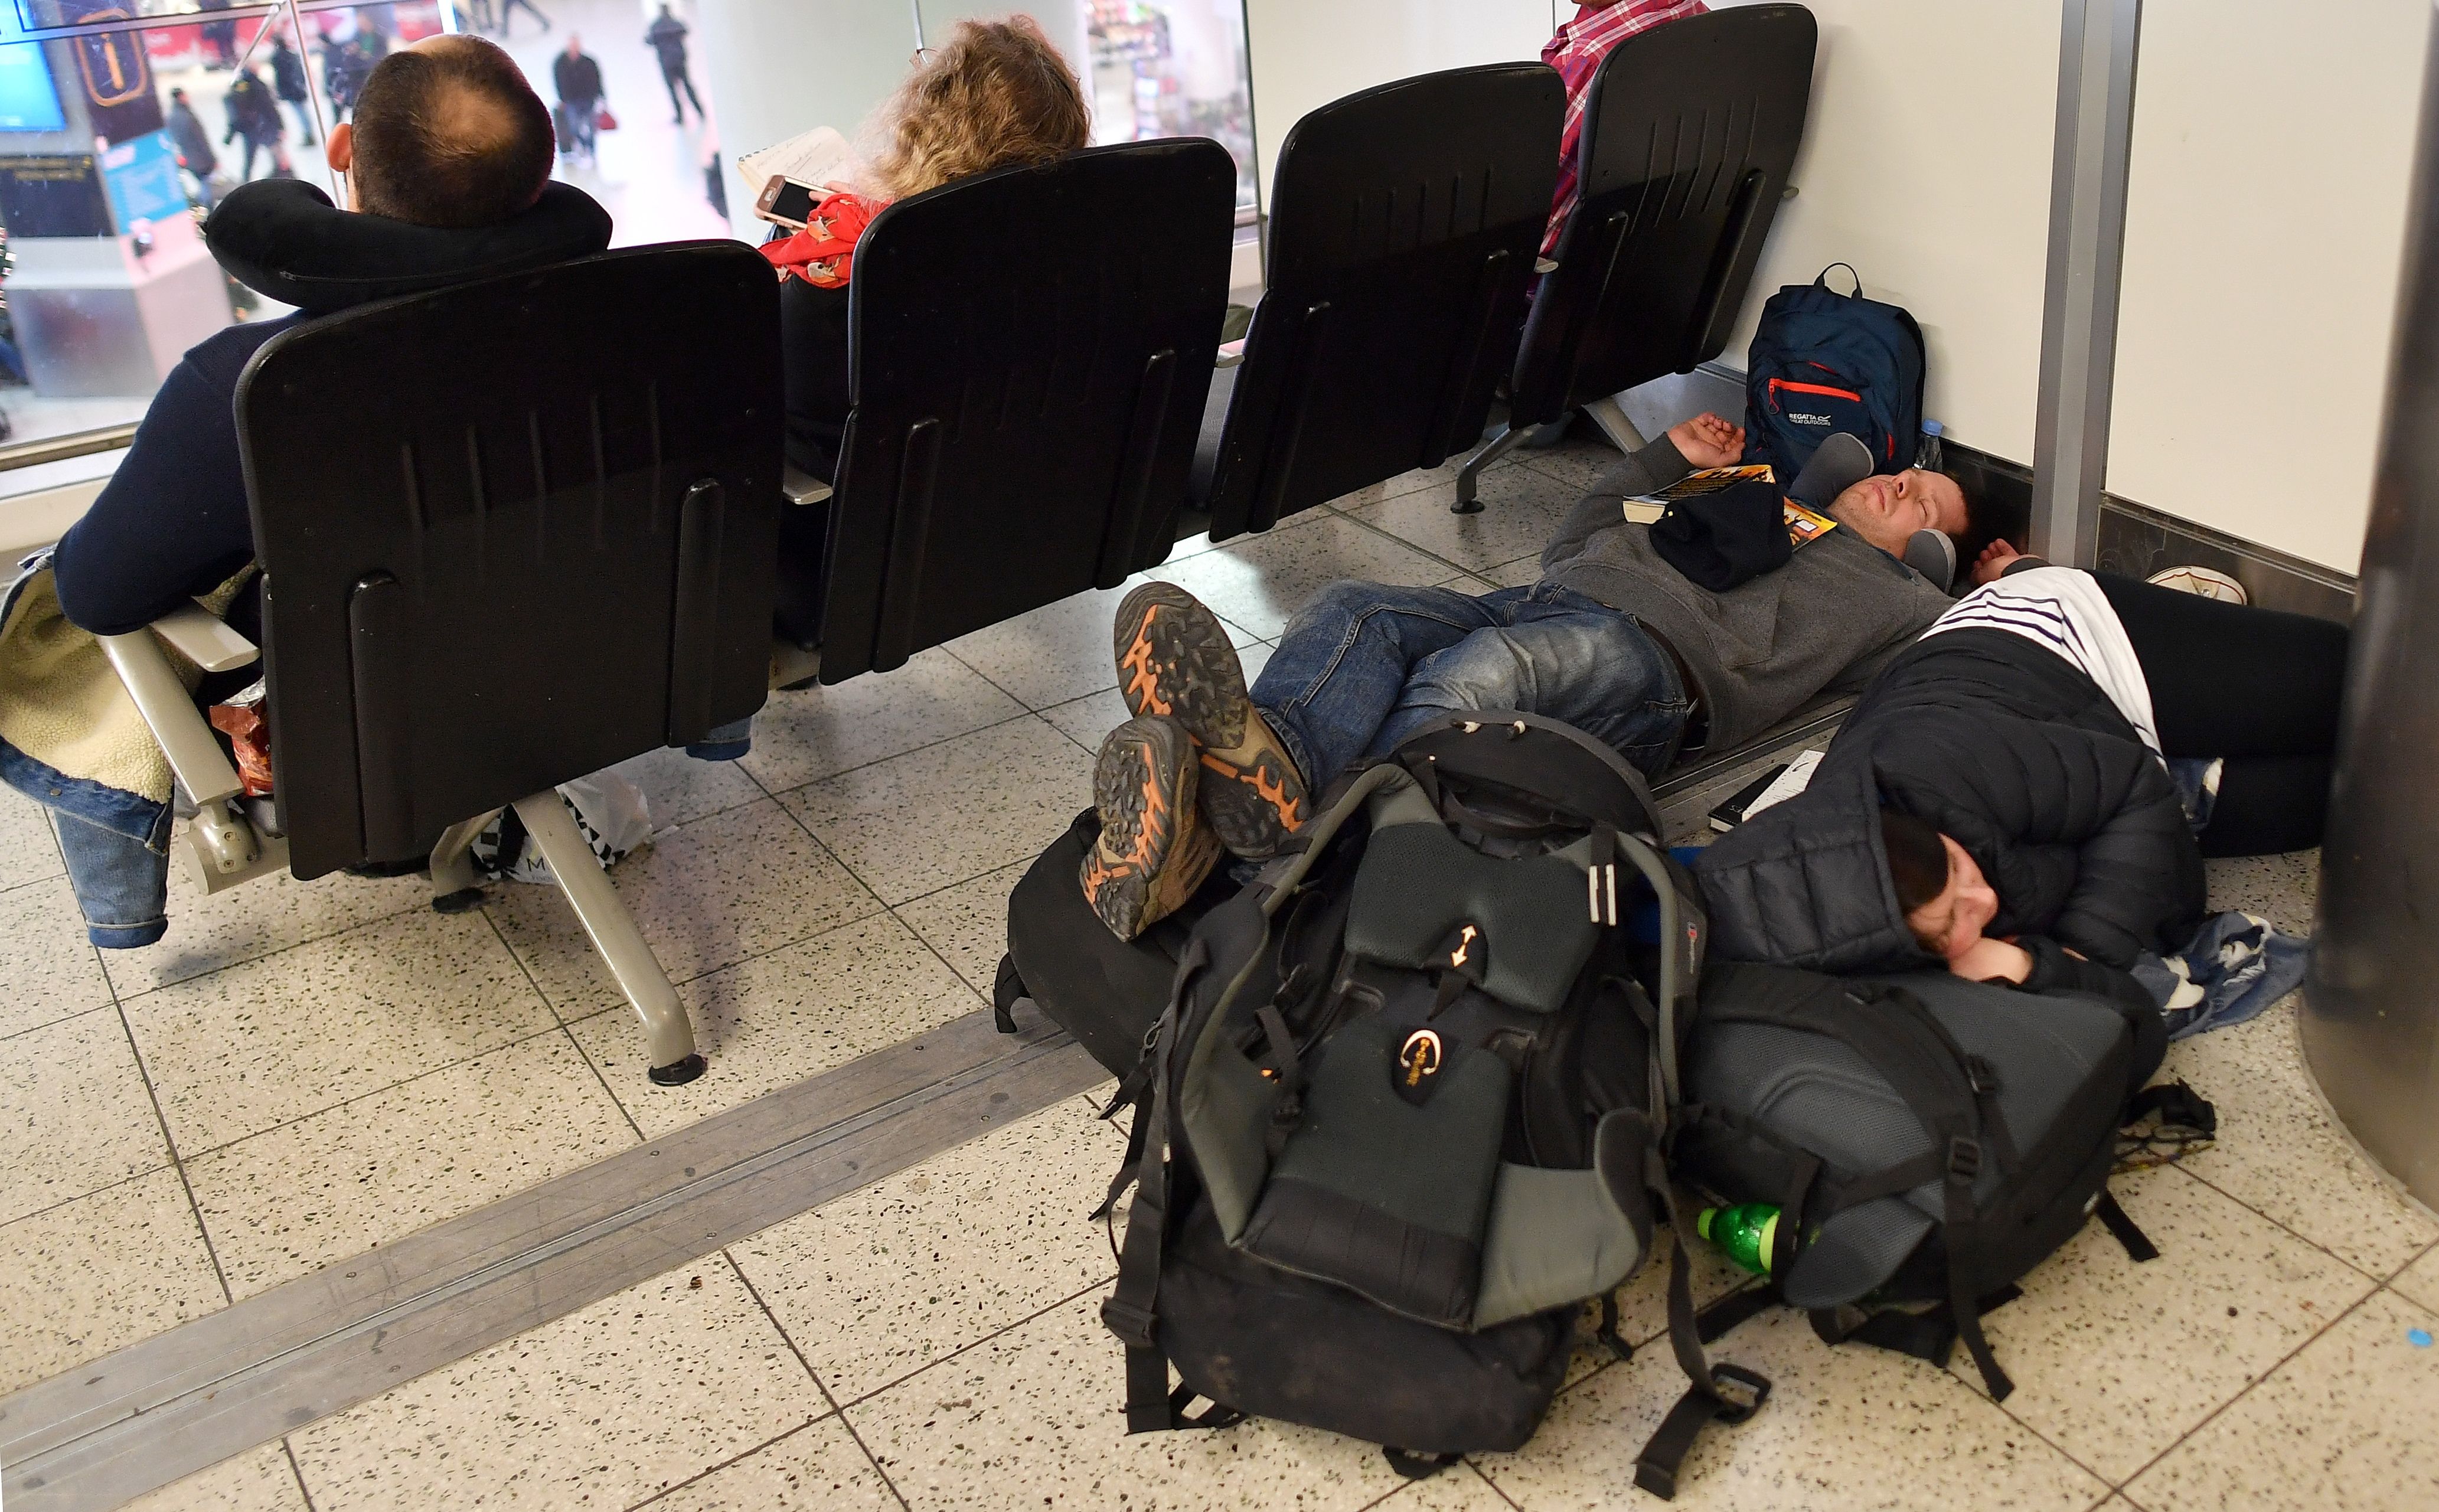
(146, 1414)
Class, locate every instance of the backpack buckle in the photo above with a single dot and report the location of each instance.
(1133, 1325)
(1981, 1076)
(1730, 1410)
(1964, 1159)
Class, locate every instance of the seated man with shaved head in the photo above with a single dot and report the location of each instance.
(448, 169)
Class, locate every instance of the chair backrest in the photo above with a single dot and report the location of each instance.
(1403, 225)
(511, 532)
(1688, 137)
(1030, 349)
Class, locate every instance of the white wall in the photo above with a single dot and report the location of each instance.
(2264, 227)
(777, 67)
(1926, 164)
(1306, 53)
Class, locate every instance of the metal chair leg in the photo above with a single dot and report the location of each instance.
(1502, 441)
(456, 886)
(668, 1034)
(1609, 416)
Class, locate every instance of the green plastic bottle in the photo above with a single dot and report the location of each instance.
(1743, 1233)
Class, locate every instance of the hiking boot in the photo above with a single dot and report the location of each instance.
(1153, 851)
(1175, 662)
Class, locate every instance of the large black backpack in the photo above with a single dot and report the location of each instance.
(1823, 362)
(1927, 1139)
(1401, 1114)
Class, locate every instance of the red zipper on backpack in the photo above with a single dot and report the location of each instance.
(1794, 387)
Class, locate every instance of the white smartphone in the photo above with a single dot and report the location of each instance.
(786, 202)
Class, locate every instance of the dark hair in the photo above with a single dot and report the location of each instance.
(1918, 858)
(451, 136)
(1985, 520)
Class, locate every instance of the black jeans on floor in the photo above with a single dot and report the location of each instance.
(2256, 686)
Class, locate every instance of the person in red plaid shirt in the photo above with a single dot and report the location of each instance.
(1576, 52)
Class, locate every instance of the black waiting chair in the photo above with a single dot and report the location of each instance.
(512, 533)
(1404, 222)
(1688, 137)
(1030, 352)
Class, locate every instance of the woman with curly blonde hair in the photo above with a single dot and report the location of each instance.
(995, 95)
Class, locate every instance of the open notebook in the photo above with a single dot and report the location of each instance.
(815, 157)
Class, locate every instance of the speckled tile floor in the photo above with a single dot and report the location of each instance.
(301, 1071)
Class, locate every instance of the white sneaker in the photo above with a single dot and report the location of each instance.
(2206, 582)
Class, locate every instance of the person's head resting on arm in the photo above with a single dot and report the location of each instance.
(1946, 901)
(1884, 508)
(996, 93)
(446, 134)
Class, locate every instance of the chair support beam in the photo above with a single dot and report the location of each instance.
(668, 1035)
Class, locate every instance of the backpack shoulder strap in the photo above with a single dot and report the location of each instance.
(1132, 1311)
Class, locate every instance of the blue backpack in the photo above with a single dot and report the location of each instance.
(1824, 362)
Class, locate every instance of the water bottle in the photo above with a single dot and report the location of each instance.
(1743, 1233)
(1926, 455)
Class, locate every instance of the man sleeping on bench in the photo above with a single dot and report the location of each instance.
(1612, 639)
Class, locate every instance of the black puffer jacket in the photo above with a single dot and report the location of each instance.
(2020, 757)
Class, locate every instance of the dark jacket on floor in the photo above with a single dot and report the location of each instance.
(2024, 762)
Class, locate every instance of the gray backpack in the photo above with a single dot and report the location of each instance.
(1404, 1113)
(1927, 1139)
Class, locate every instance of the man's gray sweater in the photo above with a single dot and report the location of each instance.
(1829, 619)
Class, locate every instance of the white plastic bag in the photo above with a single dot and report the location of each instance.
(610, 814)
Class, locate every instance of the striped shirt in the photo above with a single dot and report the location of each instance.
(1576, 52)
(2064, 611)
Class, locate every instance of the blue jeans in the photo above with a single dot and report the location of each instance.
(1364, 665)
(122, 883)
(117, 846)
(725, 742)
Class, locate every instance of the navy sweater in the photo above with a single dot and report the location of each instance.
(172, 521)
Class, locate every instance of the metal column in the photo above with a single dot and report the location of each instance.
(2370, 1013)
(2096, 118)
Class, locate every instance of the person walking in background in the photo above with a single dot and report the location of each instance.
(510, 8)
(348, 64)
(289, 83)
(577, 75)
(220, 36)
(254, 115)
(194, 142)
(667, 38)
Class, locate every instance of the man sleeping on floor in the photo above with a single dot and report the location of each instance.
(1612, 639)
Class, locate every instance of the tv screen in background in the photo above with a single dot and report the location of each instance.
(28, 101)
